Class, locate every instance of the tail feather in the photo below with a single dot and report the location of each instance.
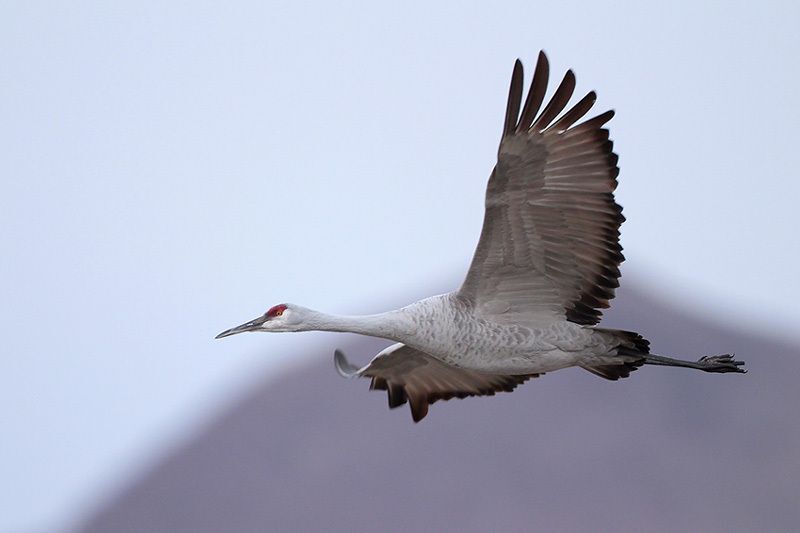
(630, 355)
(630, 342)
(615, 372)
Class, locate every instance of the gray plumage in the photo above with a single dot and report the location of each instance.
(546, 264)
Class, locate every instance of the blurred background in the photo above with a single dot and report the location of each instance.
(170, 170)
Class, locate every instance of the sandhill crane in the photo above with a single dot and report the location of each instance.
(547, 261)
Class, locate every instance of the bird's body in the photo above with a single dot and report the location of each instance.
(546, 263)
(449, 329)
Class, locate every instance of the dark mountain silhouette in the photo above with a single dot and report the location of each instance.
(664, 450)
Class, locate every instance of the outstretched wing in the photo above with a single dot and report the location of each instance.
(550, 239)
(412, 376)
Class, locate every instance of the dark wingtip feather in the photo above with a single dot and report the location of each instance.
(514, 98)
(397, 395)
(575, 113)
(557, 102)
(536, 92)
(599, 120)
(419, 406)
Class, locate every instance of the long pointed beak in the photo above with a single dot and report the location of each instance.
(247, 326)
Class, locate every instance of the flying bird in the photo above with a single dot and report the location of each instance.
(546, 263)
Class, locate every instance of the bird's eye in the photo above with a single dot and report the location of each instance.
(276, 311)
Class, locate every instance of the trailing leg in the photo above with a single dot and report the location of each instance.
(715, 363)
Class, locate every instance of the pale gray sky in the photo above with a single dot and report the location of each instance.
(172, 169)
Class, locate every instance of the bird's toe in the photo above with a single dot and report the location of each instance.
(721, 363)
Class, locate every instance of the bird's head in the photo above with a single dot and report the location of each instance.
(281, 317)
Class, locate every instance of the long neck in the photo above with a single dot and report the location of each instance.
(393, 325)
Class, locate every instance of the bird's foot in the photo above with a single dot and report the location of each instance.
(720, 363)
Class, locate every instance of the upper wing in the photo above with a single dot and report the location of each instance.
(410, 375)
(550, 239)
